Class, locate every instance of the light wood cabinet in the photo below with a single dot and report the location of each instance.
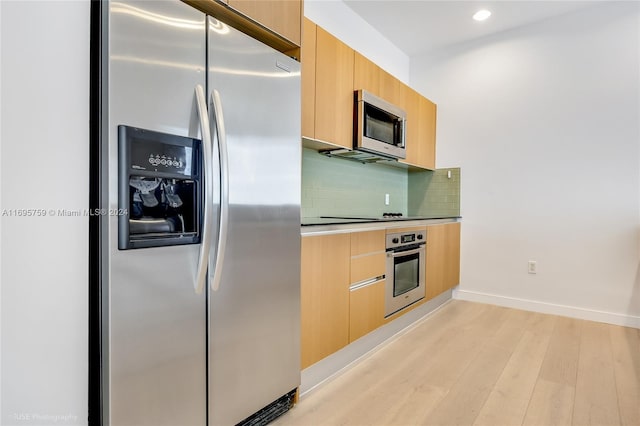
(427, 133)
(367, 242)
(340, 299)
(366, 303)
(277, 23)
(370, 77)
(333, 90)
(332, 71)
(406, 229)
(391, 89)
(366, 75)
(283, 17)
(443, 258)
(366, 309)
(308, 71)
(421, 112)
(412, 108)
(325, 296)
(452, 255)
(421, 130)
(366, 267)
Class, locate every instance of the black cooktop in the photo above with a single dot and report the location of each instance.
(337, 220)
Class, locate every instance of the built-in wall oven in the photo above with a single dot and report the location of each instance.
(406, 267)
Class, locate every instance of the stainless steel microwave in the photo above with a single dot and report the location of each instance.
(379, 127)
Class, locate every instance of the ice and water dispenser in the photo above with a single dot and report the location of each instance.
(159, 189)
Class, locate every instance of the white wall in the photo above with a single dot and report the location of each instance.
(341, 21)
(544, 122)
(44, 153)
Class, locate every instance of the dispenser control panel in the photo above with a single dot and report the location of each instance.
(162, 157)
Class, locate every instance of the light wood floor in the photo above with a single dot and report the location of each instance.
(475, 364)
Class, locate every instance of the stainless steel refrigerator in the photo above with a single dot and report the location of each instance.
(196, 219)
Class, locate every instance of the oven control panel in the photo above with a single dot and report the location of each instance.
(403, 239)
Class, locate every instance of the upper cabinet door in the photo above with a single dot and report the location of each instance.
(334, 90)
(427, 133)
(366, 75)
(421, 130)
(280, 16)
(391, 89)
(413, 142)
(308, 63)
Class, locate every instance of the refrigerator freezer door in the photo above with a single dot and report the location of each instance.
(254, 315)
(154, 369)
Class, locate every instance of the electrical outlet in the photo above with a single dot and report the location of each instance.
(532, 267)
(386, 199)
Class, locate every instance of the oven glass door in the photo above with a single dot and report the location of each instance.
(406, 273)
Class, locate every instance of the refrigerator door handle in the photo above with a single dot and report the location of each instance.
(224, 188)
(207, 154)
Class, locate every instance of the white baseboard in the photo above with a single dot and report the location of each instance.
(548, 308)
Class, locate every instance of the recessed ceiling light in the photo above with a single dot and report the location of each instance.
(481, 15)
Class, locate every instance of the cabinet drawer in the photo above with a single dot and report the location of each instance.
(369, 266)
(408, 229)
(367, 242)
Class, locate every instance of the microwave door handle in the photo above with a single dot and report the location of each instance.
(404, 253)
(207, 152)
(224, 189)
(404, 132)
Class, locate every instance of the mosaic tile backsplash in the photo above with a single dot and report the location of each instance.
(434, 193)
(338, 187)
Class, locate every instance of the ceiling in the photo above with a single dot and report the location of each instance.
(420, 26)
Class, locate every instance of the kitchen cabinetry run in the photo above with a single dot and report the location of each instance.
(331, 72)
(324, 296)
(343, 283)
(443, 258)
(366, 293)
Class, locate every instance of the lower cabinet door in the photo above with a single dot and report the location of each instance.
(366, 309)
(324, 296)
(443, 258)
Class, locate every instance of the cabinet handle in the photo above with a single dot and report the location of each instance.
(404, 253)
(366, 283)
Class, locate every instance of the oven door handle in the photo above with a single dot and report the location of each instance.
(404, 253)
